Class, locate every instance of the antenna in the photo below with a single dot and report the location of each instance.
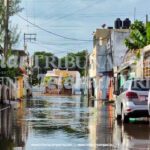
(134, 13)
(146, 18)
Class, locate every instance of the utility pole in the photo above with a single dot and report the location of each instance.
(29, 37)
(86, 78)
(111, 51)
(6, 26)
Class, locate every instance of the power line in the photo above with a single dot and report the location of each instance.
(58, 52)
(54, 5)
(76, 11)
(62, 44)
(52, 33)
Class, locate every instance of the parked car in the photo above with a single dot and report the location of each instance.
(132, 100)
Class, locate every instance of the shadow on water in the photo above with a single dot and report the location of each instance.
(12, 133)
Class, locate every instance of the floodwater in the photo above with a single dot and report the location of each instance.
(66, 123)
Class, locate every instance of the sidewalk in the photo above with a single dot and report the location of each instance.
(4, 107)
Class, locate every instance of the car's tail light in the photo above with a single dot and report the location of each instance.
(129, 109)
(131, 95)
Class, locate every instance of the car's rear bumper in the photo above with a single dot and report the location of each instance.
(138, 113)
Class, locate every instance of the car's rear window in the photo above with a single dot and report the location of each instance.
(141, 85)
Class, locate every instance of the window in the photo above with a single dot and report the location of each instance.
(126, 86)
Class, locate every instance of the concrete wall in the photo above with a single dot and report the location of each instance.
(105, 42)
(92, 65)
(77, 84)
(118, 45)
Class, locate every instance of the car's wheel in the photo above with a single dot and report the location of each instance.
(8, 94)
(149, 109)
(124, 118)
(117, 117)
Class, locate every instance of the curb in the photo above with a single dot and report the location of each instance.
(2, 109)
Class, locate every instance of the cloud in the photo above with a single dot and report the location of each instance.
(75, 18)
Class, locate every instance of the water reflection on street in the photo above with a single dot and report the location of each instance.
(133, 136)
(63, 123)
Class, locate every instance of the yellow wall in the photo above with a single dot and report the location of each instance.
(65, 73)
(20, 87)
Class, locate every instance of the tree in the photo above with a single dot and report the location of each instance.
(148, 32)
(15, 7)
(13, 34)
(10, 72)
(41, 68)
(79, 61)
(42, 56)
(139, 36)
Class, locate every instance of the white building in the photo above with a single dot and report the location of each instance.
(108, 51)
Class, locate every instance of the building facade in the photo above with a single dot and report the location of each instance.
(108, 51)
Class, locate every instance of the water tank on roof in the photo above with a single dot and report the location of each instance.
(109, 27)
(118, 23)
(126, 23)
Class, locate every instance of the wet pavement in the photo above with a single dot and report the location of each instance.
(66, 123)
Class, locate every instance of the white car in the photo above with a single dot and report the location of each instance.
(132, 101)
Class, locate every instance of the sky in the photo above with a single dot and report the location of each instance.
(74, 20)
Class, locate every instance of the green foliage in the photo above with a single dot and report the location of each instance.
(34, 77)
(13, 34)
(47, 79)
(15, 7)
(42, 66)
(148, 32)
(2, 15)
(80, 61)
(42, 61)
(138, 36)
(138, 54)
(79, 57)
(10, 72)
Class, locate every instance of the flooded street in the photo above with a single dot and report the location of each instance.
(63, 123)
(73, 73)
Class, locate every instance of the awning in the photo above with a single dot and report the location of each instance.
(126, 65)
(51, 75)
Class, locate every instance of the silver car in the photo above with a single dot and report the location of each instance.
(132, 100)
